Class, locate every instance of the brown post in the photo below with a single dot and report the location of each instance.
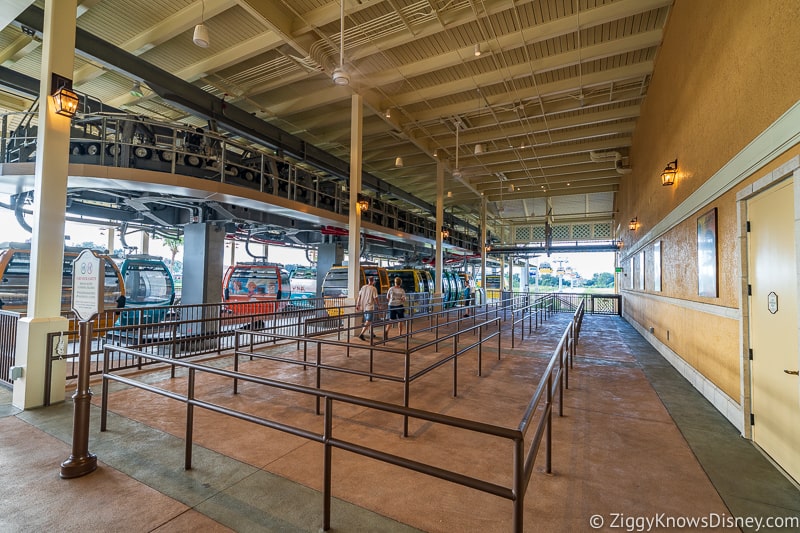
(81, 462)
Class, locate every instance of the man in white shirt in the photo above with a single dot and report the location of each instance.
(366, 302)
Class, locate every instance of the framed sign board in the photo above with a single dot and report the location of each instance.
(707, 254)
(88, 273)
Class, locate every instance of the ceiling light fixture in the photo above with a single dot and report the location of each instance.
(633, 224)
(136, 90)
(398, 162)
(388, 113)
(65, 101)
(477, 51)
(478, 149)
(200, 37)
(449, 194)
(340, 75)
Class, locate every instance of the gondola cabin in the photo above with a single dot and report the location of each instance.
(149, 290)
(255, 288)
(415, 280)
(334, 286)
(15, 267)
(303, 281)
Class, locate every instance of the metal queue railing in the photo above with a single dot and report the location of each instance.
(140, 330)
(450, 330)
(537, 415)
(185, 331)
(534, 313)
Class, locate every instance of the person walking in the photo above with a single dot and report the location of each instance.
(366, 302)
(397, 301)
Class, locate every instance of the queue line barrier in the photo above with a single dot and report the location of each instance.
(537, 417)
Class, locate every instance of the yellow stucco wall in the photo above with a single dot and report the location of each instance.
(726, 71)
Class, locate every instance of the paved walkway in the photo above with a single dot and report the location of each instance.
(636, 443)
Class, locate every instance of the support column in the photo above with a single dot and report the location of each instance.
(204, 251)
(328, 254)
(483, 244)
(49, 215)
(439, 255)
(511, 273)
(527, 275)
(110, 241)
(232, 255)
(354, 221)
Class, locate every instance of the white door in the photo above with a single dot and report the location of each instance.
(773, 325)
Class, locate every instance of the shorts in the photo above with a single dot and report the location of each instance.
(368, 316)
(397, 313)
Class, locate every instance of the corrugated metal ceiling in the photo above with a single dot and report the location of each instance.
(555, 81)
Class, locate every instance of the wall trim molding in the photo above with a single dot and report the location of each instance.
(733, 313)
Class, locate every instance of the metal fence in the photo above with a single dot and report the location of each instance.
(8, 344)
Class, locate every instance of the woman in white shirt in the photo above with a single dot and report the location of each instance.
(396, 297)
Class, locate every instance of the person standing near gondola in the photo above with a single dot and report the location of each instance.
(396, 297)
(367, 301)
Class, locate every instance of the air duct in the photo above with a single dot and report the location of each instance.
(602, 157)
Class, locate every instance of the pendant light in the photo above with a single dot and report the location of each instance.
(200, 37)
(340, 75)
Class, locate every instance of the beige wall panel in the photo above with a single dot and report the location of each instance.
(709, 343)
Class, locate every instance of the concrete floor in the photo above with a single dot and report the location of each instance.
(637, 442)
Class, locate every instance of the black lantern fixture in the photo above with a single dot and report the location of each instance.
(633, 224)
(65, 101)
(670, 171)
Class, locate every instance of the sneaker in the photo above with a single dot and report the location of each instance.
(362, 337)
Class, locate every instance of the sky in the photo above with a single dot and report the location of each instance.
(586, 264)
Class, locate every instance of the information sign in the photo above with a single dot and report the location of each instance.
(87, 285)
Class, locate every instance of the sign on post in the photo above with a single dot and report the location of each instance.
(88, 274)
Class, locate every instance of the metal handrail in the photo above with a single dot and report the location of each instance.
(121, 140)
(523, 462)
(525, 312)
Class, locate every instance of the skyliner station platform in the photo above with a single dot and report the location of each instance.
(635, 442)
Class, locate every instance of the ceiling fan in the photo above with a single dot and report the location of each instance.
(340, 75)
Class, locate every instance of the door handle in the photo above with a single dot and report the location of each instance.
(792, 372)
